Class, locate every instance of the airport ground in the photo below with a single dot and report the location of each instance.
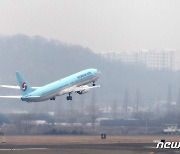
(85, 145)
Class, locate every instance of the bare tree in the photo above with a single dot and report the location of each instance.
(27, 123)
(71, 112)
(169, 99)
(16, 120)
(178, 101)
(138, 98)
(93, 111)
(82, 116)
(125, 103)
(24, 123)
(114, 109)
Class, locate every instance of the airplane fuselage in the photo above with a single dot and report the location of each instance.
(60, 87)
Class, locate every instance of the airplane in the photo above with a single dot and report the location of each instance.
(75, 83)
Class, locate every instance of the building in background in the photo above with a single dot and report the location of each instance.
(153, 59)
(158, 59)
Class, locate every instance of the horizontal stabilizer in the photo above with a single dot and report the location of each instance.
(10, 96)
(14, 87)
(9, 86)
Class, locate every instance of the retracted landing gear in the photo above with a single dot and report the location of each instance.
(69, 98)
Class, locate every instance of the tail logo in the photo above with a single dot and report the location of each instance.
(24, 86)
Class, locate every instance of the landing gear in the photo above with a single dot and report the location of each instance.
(53, 98)
(69, 98)
(94, 84)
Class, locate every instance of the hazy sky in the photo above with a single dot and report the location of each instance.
(101, 25)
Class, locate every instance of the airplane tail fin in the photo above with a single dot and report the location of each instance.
(23, 84)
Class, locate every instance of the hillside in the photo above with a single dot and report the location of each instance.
(42, 61)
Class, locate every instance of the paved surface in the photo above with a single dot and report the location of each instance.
(76, 148)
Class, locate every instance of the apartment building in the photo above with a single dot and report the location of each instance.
(151, 58)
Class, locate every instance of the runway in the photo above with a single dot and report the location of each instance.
(85, 145)
(115, 148)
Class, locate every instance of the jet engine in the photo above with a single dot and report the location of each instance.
(83, 91)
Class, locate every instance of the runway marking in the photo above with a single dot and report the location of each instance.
(23, 149)
(150, 147)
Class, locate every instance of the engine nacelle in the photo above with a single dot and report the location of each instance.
(83, 91)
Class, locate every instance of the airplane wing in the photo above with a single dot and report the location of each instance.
(10, 96)
(80, 90)
(14, 87)
(86, 87)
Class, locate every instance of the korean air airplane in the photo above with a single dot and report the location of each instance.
(76, 83)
